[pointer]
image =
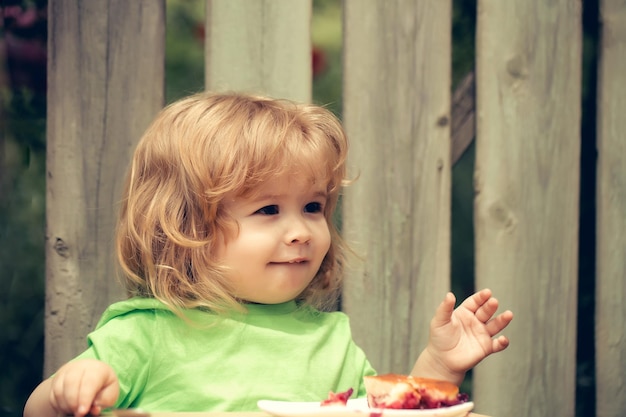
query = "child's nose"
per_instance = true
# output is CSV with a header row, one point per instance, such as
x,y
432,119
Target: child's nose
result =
x,y
298,232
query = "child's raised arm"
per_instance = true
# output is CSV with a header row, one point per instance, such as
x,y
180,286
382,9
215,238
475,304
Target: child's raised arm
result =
x,y
79,387
460,338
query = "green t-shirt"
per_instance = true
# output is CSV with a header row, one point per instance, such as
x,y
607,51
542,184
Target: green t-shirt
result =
x,y
279,352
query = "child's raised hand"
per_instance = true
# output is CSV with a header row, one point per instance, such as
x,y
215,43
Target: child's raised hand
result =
x,y
84,386
460,338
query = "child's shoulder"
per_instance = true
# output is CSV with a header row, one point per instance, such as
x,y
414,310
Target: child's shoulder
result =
x,y
142,311
134,308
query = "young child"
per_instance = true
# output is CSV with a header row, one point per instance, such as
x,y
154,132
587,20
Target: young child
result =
x,y
230,258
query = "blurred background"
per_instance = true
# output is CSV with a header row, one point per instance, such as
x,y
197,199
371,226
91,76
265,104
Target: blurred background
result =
x,y
23,33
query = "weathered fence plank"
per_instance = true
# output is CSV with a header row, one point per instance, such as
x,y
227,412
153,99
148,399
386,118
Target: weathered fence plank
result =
x,y
262,46
396,96
611,214
528,89
106,78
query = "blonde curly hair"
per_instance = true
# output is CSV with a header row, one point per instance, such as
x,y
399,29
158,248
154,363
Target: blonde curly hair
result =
x,y
198,150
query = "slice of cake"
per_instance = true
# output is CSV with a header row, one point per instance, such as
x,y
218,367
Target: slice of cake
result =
x,y
408,392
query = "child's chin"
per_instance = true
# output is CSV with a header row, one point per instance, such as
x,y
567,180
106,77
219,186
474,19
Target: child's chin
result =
x,y
268,302
277,296
270,299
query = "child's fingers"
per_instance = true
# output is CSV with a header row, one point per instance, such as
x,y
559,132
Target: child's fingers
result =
x,y
95,393
79,392
476,300
499,322
487,310
57,399
95,410
108,395
499,344
444,311
74,392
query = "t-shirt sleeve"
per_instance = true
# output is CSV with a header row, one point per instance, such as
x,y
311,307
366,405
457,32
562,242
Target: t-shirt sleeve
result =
x,y
126,343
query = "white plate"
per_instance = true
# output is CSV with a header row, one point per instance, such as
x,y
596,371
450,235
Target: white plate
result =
x,y
356,408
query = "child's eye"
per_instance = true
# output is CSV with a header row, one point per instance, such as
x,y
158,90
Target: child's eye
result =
x,y
313,207
268,210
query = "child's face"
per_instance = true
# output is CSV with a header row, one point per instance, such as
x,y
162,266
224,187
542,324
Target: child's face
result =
x,y
282,240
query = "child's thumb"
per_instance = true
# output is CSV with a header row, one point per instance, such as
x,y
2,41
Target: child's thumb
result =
x,y
444,311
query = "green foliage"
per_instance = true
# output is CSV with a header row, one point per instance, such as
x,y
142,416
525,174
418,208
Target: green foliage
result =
x,y
326,40
184,49
22,213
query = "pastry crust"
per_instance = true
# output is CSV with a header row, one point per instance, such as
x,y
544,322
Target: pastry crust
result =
x,y
408,392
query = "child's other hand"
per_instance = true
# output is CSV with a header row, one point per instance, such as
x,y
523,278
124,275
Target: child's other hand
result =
x,y
460,338
84,386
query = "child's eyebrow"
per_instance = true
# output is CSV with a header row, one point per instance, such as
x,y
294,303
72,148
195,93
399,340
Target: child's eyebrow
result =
x,y
320,194
266,197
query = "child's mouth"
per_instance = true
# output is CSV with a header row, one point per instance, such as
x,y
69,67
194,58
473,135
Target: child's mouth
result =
x,y
290,262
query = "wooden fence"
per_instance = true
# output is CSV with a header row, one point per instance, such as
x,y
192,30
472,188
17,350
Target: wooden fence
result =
x,y
106,78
